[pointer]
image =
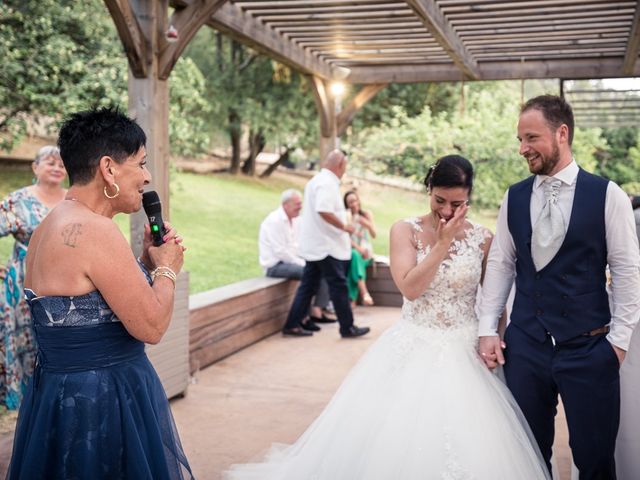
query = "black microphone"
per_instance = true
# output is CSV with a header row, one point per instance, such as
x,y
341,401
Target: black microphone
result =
x,y
153,209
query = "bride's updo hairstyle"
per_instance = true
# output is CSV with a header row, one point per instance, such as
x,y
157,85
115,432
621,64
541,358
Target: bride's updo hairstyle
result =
x,y
450,171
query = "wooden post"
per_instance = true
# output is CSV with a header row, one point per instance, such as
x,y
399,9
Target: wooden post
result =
x,y
142,26
149,105
326,106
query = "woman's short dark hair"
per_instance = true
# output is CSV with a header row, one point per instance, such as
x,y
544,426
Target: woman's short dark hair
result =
x,y
450,171
85,137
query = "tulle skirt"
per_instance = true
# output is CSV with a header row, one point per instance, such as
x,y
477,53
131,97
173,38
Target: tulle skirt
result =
x,y
95,409
419,405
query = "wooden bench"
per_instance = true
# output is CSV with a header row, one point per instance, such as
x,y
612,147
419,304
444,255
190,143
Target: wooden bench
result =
x,y
230,318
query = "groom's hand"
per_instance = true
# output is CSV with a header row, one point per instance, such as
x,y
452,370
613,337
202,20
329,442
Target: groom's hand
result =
x,y
620,353
490,349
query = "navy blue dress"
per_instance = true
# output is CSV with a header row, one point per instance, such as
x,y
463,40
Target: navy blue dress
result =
x,y
95,407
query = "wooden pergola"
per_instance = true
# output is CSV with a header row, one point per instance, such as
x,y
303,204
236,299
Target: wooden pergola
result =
x,y
373,43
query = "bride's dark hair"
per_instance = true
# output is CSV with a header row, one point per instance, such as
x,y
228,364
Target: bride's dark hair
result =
x,y
450,171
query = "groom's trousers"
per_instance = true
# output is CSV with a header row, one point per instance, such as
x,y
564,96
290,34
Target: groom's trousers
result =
x,y
585,372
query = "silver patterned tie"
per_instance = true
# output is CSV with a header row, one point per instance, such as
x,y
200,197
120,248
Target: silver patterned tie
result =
x,y
548,231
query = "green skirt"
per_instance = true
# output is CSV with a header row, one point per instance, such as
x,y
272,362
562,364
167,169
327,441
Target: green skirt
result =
x,y
357,271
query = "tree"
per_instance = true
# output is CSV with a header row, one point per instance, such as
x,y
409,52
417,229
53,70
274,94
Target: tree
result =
x,y
248,91
485,133
52,51
61,56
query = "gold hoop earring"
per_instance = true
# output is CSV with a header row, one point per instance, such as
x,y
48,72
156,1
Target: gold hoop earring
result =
x,y
110,197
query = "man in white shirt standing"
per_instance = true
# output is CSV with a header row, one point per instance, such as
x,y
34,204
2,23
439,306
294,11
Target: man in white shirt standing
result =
x,y
326,247
557,232
278,248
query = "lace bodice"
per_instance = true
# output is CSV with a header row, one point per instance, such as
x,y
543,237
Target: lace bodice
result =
x,y
449,302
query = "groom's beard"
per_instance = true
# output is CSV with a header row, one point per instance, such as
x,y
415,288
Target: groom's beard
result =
x,y
547,164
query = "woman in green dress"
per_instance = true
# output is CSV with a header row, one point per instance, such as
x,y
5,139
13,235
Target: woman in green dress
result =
x,y
361,248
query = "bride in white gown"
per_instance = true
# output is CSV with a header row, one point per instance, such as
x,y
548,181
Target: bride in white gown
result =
x,y
420,404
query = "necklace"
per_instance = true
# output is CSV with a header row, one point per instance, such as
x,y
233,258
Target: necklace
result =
x,y
73,199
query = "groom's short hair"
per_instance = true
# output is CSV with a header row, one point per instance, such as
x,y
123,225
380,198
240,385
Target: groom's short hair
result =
x,y
556,111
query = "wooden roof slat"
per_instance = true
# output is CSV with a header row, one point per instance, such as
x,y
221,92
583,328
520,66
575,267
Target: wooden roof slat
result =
x,y
310,8
577,34
430,14
334,17
481,5
360,45
446,40
524,25
600,90
348,27
541,27
602,14
541,5
304,3
566,10
234,22
395,20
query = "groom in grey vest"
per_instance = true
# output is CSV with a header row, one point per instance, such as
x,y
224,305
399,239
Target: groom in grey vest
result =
x,y
557,232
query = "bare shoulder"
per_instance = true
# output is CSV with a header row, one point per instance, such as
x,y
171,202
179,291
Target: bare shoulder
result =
x,y
76,231
405,228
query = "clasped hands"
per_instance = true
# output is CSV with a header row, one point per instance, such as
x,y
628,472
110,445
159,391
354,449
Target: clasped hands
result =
x,y
490,350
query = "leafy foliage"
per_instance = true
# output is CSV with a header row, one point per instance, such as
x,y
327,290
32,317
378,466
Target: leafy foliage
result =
x,y
61,56
58,56
484,132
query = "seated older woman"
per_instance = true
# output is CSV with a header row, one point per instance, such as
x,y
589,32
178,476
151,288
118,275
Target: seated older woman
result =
x,y
95,407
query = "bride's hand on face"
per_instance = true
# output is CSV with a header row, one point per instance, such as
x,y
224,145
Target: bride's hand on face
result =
x,y
446,231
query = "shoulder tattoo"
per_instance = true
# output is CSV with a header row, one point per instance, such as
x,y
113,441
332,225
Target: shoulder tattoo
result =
x,y
70,234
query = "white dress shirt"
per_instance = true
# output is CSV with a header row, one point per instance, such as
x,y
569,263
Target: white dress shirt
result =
x,y
278,240
318,238
623,257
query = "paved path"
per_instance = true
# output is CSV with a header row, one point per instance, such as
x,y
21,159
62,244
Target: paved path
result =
x,y
271,392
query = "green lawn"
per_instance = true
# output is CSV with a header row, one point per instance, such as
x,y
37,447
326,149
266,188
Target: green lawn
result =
x,y
219,217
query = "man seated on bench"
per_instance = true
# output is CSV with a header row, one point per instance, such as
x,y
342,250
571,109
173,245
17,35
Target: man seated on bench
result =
x,y
278,247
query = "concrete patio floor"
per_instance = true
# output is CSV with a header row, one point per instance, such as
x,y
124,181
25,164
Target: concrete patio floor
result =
x,y
271,392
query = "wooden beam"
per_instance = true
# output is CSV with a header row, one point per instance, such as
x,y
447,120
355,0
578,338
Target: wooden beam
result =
x,y
431,16
304,3
587,68
136,46
633,45
322,98
362,97
187,20
239,25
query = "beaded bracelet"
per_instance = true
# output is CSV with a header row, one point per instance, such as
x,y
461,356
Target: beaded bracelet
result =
x,y
164,272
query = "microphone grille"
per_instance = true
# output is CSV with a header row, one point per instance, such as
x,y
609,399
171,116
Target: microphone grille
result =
x,y
151,202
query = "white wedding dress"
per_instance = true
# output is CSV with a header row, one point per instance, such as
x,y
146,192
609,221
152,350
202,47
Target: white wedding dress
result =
x,y
420,404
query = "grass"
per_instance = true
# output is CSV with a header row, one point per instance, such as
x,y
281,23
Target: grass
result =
x,y
219,217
